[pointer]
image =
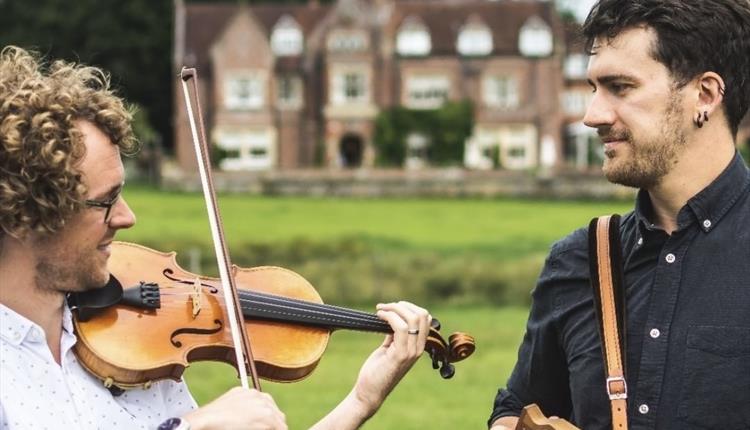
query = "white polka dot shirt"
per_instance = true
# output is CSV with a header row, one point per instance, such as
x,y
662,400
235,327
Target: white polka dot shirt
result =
x,y
37,393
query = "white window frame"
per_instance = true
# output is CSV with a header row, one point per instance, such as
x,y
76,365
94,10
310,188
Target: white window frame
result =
x,y
535,38
343,76
254,82
575,101
501,91
519,137
426,91
413,39
347,41
474,40
575,66
287,38
255,147
293,100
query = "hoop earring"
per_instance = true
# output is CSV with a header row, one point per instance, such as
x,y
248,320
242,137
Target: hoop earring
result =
x,y
699,120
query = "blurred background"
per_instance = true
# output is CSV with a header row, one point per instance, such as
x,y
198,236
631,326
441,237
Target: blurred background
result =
x,y
424,150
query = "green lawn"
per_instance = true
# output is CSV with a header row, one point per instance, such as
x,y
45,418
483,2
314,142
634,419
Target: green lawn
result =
x,y
496,227
443,234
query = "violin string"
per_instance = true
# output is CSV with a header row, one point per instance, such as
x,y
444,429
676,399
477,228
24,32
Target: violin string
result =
x,y
348,318
311,308
316,311
311,305
327,318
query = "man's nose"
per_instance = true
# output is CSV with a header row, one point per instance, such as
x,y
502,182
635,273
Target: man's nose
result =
x,y
122,216
599,112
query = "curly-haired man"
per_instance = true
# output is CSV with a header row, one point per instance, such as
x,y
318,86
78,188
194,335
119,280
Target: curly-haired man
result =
x,y
61,134
671,82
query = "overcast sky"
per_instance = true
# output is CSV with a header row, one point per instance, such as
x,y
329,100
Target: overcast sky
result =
x,y
581,7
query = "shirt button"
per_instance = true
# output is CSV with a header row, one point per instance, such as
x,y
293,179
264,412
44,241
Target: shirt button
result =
x,y
707,223
670,258
36,335
643,409
654,333
640,241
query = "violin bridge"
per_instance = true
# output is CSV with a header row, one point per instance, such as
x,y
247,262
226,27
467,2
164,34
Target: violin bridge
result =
x,y
196,296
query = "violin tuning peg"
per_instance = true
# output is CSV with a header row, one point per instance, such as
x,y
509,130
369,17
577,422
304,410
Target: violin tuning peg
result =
x,y
435,324
447,371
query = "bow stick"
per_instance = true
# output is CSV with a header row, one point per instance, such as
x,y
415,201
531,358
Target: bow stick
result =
x,y
243,352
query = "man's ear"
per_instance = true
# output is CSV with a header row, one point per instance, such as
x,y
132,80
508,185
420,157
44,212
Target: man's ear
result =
x,y
711,89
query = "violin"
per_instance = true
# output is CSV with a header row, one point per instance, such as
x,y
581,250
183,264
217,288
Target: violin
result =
x,y
153,318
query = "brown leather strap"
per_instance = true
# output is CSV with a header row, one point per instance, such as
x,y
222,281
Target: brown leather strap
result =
x,y
609,326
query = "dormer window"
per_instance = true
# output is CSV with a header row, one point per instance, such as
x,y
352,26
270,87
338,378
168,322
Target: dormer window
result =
x,y
535,38
286,37
474,39
413,39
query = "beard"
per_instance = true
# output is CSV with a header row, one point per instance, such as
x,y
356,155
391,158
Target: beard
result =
x,y
65,270
649,159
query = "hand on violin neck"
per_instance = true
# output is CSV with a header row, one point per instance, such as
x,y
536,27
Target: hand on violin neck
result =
x,y
389,363
238,408
384,368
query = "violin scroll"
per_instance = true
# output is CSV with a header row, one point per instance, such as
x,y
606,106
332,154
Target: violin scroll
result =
x,y
444,354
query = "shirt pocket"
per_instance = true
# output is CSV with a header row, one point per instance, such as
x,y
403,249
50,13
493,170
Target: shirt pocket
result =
x,y
716,378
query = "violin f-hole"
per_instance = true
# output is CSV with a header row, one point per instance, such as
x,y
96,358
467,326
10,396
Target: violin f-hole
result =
x,y
192,330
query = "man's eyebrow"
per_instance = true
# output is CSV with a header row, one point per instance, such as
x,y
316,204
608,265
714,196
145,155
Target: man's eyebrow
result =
x,y
114,190
607,79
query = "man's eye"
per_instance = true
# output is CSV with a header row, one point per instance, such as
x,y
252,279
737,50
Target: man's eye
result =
x,y
618,88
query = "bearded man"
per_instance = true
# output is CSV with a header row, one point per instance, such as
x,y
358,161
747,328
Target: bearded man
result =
x,y
671,82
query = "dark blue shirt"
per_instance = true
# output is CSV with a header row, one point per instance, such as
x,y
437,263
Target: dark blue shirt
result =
x,y
688,321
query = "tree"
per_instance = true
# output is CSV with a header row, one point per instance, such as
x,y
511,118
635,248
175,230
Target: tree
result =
x,y
130,39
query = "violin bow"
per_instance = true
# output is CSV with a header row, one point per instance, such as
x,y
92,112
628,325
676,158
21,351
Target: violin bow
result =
x,y
242,349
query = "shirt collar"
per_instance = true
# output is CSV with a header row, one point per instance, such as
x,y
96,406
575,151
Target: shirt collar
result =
x,y
15,328
709,205
713,202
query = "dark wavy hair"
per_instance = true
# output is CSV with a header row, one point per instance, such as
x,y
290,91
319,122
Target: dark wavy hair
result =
x,y
40,147
693,37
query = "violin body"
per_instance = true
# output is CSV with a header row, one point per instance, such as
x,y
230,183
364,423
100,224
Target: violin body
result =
x,y
130,346
134,346
532,418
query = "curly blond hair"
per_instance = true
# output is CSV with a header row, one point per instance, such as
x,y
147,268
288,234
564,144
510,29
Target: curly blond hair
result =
x,y
40,147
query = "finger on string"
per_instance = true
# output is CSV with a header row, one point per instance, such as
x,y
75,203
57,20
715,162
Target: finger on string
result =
x,y
398,325
424,324
412,322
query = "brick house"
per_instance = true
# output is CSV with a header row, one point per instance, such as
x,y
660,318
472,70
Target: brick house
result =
x,y
295,86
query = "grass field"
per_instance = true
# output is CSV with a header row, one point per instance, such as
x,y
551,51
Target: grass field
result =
x,y
500,228
458,230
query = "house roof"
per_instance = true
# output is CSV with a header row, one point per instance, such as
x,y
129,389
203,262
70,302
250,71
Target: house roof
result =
x,y
204,23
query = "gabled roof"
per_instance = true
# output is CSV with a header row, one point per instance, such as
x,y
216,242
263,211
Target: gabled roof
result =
x,y
204,24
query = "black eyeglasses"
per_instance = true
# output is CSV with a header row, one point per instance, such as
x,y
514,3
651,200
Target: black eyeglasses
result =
x,y
105,204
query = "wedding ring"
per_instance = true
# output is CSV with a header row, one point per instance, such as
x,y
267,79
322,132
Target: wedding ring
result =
x,y
413,331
